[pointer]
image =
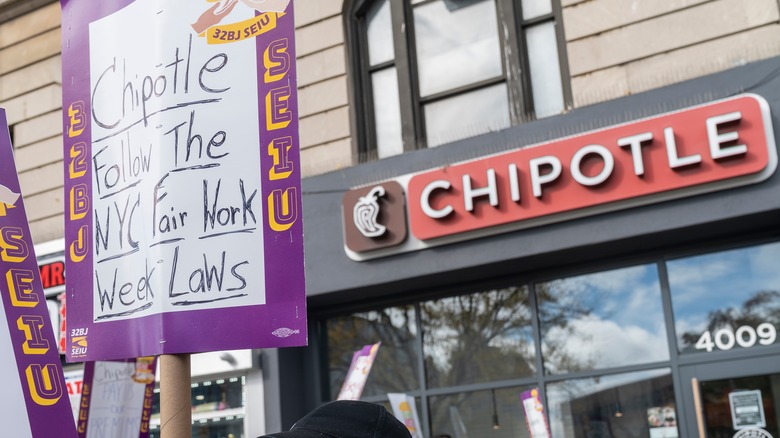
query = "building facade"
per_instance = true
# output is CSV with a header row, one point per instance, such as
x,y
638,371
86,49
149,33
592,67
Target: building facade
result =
x,y
644,313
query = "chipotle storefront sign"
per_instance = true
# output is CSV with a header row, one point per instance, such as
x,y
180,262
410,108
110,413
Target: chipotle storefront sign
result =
x,y
720,145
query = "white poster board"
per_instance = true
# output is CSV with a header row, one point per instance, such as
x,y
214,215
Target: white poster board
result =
x,y
13,414
747,409
116,399
73,382
405,410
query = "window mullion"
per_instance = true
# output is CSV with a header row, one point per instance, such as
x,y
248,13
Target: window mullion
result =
x,y
563,58
404,68
513,54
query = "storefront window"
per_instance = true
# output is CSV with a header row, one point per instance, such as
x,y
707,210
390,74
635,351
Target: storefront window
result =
x,y
602,320
491,413
606,365
395,367
218,409
732,404
478,337
726,300
623,405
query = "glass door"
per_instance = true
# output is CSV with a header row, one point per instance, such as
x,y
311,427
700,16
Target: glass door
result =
x,y
732,398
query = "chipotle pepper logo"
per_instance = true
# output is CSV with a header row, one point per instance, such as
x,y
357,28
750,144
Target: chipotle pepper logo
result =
x,y
374,217
366,213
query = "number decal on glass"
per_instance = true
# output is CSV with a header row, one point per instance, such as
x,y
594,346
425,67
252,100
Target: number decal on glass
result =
x,y
767,333
745,336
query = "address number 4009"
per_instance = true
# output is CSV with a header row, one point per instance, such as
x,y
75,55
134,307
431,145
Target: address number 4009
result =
x,y
745,336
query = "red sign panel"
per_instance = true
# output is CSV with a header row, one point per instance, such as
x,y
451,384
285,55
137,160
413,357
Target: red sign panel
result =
x,y
705,148
52,274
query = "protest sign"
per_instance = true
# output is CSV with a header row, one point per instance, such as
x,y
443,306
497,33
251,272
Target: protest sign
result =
x,y
35,402
116,399
405,410
74,381
357,375
534,414
183,221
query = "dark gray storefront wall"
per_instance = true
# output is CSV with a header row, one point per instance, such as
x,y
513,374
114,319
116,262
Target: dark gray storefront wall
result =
x,y
688,220
293,386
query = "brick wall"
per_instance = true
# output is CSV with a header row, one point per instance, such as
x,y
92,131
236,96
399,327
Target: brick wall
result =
x,y
31,93
322,86
615,48
621,47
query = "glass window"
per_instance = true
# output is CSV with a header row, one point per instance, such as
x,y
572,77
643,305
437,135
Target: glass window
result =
x,y
637,404
545,69
478,337
447,121
395,366
536,8
732,404
380,33
493,413
218,408
601,320
456,36
726,300
387,112
431,72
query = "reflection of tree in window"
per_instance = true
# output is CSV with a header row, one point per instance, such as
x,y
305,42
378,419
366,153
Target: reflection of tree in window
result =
x,y
478,337
395,367
558,306
762,307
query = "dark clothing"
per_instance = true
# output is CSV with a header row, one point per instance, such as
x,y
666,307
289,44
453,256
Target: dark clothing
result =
x,y
346,419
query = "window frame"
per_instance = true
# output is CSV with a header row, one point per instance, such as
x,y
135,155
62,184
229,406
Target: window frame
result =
x,y
678,361
413,133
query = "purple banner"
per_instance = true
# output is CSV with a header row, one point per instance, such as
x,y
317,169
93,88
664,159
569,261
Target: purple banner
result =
x,y
356,378
183,226
534,414
38,400
117,398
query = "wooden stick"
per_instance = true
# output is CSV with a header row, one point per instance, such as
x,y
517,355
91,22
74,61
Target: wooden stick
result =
x,y
175,396
698,408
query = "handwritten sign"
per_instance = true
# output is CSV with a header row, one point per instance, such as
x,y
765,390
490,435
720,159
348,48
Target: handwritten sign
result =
x,y
117,398
183,228
74,380
35,402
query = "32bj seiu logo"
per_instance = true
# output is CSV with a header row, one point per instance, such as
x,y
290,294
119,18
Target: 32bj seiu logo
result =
x,y
209,23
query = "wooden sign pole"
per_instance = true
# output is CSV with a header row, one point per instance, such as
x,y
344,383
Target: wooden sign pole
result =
x,y
175,396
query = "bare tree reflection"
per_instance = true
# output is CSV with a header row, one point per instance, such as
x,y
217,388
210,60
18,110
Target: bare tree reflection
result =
x,y
478,337
762,307
395,368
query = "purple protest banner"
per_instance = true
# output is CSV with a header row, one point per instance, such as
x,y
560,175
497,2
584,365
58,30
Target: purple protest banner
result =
x,y
35,403
356,378
183,226
117,398
534,414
